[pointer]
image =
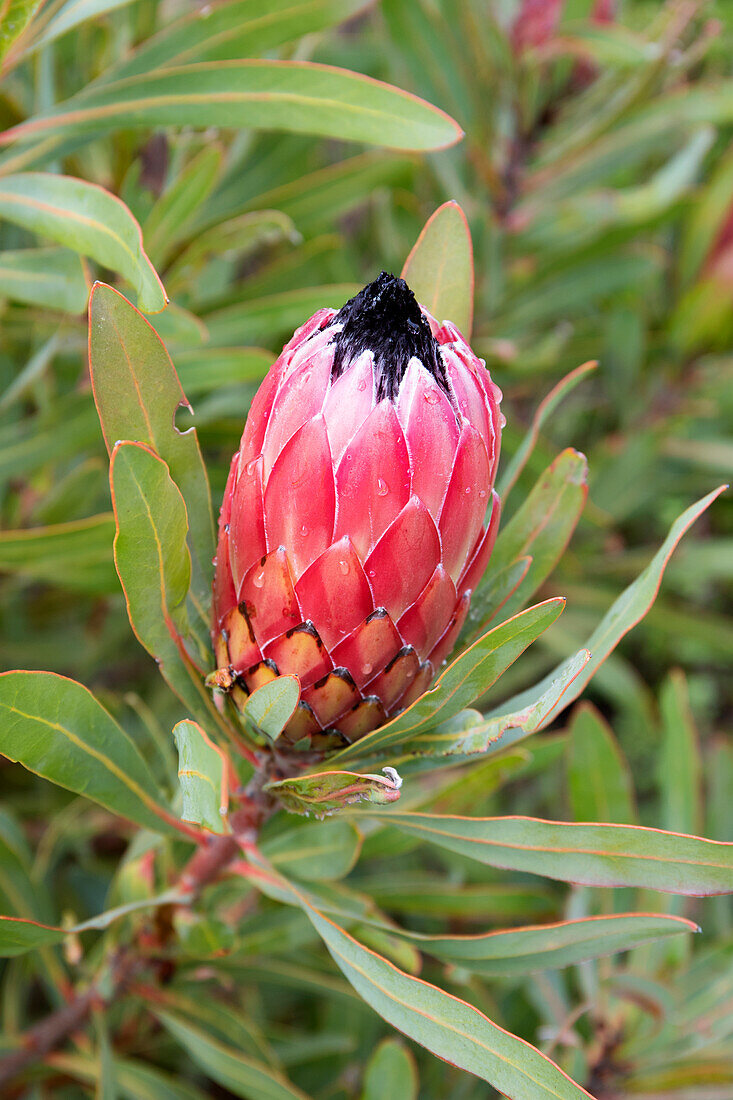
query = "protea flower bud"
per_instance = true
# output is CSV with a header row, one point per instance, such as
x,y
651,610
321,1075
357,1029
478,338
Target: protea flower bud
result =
x,y
352,529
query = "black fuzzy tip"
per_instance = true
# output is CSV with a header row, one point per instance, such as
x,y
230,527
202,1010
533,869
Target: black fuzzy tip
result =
x,y
384,318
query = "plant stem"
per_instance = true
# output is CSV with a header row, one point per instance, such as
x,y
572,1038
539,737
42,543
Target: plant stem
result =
x,y
207,862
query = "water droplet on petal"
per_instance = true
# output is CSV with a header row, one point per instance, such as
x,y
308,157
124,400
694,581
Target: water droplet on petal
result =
x,y
468,488
482,493
367,668
432,397
303,530
361,385
382,487
251,467
226,528
344,567
259,580
372,573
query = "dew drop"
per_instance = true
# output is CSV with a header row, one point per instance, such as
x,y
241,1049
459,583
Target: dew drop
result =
x,y
344,567
361,385
482,493
259,580
372,573
226,528
432,397
303,530
367,668
468,488
382,487
251,467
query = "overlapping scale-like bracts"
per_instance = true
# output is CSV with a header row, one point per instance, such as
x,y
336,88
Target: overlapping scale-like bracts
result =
x,y
354,528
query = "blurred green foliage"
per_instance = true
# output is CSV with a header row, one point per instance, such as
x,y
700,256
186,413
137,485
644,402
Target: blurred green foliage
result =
x,y
596,173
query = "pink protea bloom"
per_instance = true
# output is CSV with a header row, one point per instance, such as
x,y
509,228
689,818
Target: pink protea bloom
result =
x,y
359,513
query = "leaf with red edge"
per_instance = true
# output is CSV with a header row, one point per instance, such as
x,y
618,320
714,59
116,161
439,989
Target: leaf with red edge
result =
x,y
154,566
542,527
137,393
626,611
55,728
326,792
443,1024
294,96
545,409
439,268
593,855
88,219
18,935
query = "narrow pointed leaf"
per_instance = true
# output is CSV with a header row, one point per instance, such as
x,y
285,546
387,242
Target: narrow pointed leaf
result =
x,y
14,18
72,555
203,775
439,268
241,28
544,411
626,611
57,729
599,780
87,219
549,946
48,277
137,393
295,96
18,935
543,525
445,1025
593,855
478,736
241,1075
468,677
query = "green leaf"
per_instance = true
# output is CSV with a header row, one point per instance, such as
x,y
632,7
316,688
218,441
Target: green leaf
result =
x,y
326,792
549,946
680,766
269,708
48,277
72,555
439,268
450,1028
136,1080
238,237
137,393
229,31
18,935
68,15
478,736
315,851
295,96
274,316
543,525
626,611
490,596
205,369
14,18
545,409
154,565
241,1075
170,217
593,855
203,773
468,677
391,1071
57,729
87,219
601,787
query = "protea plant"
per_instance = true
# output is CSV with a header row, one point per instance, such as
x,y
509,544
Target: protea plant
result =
x,y
359,513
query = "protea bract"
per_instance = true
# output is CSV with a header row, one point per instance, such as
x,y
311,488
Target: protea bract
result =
x,y
359,513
